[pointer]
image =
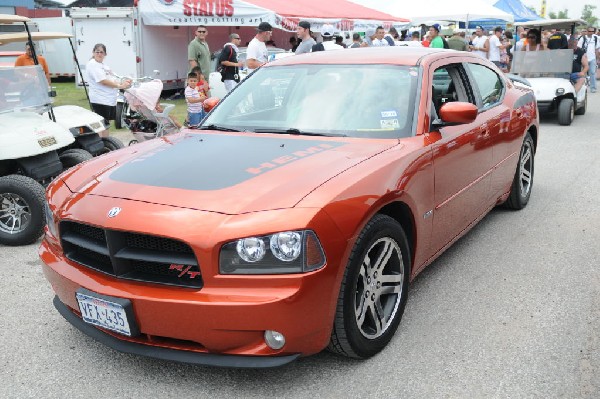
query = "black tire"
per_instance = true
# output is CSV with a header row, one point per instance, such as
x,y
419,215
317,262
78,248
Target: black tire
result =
x,y
362,336
111,144
523,180
581,110
566,111
120,116
74,156
21,203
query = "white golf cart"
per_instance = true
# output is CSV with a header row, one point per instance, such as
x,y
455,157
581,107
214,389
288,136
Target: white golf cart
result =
x,y
548,74
84,124
29,153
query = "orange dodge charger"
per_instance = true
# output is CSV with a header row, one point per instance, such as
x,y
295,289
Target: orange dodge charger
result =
x,y
294,218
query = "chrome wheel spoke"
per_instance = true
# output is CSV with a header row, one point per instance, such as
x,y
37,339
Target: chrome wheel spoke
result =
x,y
378,317
384,256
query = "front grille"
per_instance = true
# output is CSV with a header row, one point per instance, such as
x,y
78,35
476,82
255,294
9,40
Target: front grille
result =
x,y
131,256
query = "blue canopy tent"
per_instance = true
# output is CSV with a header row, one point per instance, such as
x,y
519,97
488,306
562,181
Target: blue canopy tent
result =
x,y
513,7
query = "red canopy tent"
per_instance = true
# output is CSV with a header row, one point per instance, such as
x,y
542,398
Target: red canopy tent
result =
x,y
282,14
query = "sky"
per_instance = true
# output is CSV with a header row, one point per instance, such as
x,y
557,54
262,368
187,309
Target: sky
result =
x,y
574,6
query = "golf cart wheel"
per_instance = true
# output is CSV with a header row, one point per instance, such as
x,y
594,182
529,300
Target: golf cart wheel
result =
x,y
74,156
566,111
22,217
111,144
122,111
581,110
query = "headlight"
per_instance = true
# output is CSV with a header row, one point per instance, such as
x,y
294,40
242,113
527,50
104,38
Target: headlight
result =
x,y
80,130
50,220
278,253
560,91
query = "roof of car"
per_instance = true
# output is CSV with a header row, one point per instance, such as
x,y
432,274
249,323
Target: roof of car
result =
x,y
399,55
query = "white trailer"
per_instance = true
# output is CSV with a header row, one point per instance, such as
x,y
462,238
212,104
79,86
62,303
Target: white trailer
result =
x,y
58,53
133,48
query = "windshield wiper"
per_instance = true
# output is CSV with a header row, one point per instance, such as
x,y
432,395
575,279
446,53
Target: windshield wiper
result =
x,y
212,126
297,131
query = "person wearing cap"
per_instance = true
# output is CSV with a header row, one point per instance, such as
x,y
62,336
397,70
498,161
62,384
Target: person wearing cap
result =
x,y
369,36
257,54
308,42
480,44
379,40
436,40
456,42
328,44
230,74
199,52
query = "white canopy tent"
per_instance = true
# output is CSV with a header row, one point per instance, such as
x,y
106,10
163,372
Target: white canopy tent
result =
x,y
429,11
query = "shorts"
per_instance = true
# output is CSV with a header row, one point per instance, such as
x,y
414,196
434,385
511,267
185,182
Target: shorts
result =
x,y
575,77
108,112
500,64
194,118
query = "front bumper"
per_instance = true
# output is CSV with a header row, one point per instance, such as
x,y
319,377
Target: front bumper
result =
x,y
206,359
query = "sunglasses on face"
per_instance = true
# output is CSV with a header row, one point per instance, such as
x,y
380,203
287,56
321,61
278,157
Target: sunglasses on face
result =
x,y
201,31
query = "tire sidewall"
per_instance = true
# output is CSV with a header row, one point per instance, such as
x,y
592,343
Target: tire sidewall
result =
x,y
381,226
33,194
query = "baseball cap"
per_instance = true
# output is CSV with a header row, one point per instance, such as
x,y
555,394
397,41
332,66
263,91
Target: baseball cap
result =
x,y
264,27
436,27
479,27
370,32
327,30
304,24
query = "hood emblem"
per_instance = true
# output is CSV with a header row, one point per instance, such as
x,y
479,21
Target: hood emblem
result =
x,y
114,212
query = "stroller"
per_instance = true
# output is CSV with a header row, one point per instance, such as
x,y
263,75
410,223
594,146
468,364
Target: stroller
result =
x,y
148,118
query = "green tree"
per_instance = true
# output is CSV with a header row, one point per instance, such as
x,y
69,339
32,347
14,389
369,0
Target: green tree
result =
x,y
564,14
588,15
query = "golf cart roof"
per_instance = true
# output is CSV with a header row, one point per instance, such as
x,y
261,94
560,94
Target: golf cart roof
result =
x,y
8,19
552,23
35,36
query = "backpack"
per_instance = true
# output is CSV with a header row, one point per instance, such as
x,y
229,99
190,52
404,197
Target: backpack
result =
x,y
318,47
445,42
390,40
584,45
220,67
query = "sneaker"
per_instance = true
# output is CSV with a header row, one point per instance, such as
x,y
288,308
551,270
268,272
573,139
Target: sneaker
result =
x,y
593,90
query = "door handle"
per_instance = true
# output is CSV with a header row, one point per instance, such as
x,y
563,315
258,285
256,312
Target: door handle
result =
x,y
484,130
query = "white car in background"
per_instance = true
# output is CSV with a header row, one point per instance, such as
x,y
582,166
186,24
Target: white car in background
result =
x,y
217,87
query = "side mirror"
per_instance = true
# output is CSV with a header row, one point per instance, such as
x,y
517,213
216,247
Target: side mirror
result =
x,y
456,113
210,103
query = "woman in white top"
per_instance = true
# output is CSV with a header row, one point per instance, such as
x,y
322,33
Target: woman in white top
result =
x,y
103,86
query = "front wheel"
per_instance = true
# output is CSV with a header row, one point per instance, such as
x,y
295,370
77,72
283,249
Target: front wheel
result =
x,y
374,290
22,217
566,111
111,144
523,180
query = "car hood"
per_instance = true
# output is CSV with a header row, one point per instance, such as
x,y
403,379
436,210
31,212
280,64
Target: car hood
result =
x,y
225,173
545,89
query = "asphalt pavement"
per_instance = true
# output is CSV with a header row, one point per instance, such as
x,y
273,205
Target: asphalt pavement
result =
x,y
512,310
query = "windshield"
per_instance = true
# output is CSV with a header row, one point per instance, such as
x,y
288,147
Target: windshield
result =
x,y
526,63
336,100
23,87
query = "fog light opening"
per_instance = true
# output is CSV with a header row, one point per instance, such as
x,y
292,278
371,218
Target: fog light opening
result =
x,y
275,340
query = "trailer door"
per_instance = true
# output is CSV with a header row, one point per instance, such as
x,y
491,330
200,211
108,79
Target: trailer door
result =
x,y
116,34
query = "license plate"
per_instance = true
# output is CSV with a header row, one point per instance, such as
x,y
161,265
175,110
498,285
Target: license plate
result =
x,y
47,141
103,313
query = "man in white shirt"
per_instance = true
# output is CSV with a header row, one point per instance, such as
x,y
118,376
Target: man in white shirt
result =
x,y
327,32
495,47
379,40
257,54
590,43
480,45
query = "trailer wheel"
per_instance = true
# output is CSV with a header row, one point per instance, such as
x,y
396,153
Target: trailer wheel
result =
x,y
22,216
74,156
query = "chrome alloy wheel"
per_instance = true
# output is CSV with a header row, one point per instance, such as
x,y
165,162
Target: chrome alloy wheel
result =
x,y
379,288
526,168
15,214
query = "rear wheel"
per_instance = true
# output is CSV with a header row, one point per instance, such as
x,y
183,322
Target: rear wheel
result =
x,y
523,180
122,113
22,217
374,290
566,111
581,110
74,156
